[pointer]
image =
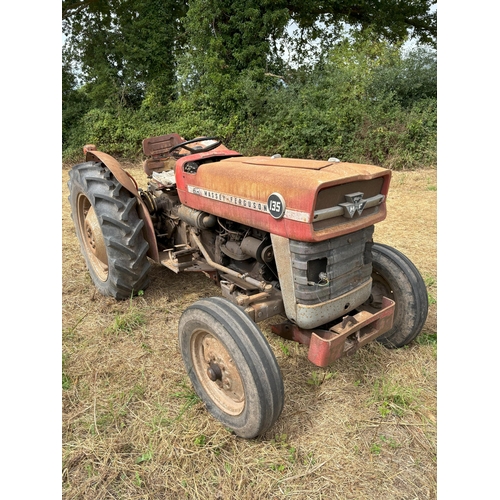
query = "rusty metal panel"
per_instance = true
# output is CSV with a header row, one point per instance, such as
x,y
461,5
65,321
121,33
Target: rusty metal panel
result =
x,y
154,146
240,191
357,331
261,311
291,331
287,162
343,339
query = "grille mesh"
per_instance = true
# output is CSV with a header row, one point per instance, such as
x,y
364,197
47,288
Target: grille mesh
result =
x,y
335,195
348,265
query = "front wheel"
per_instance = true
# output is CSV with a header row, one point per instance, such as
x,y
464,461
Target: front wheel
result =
x,y
396,277
231,366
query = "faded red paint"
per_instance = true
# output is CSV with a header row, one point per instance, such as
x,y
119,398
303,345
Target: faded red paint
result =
x,y
255,178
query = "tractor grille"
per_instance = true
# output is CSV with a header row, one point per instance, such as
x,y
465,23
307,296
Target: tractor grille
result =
x,y
329,210
325,270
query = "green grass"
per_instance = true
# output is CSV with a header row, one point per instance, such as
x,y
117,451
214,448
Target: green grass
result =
x,y
189,396
137,480
284,348
393,398
429,280
430,283
145,457
200,440
383,443
66,380
127,322
68,333
427,339
390,442
319,377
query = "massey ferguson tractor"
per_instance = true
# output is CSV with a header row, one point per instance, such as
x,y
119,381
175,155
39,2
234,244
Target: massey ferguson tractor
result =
x,y
280,236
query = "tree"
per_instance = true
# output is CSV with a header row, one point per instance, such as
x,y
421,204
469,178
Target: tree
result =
x,y
230,42
125,48
391,19
244,34
218,67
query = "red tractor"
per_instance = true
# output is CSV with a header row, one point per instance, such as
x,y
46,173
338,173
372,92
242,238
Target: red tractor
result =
x,y
280,236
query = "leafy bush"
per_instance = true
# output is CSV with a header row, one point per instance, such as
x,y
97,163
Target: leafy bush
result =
x,y
363,103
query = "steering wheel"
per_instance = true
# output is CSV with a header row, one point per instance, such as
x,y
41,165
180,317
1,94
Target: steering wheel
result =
x,y
184,145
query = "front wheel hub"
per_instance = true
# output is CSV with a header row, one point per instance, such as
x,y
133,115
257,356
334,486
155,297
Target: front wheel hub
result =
x,y
217,372
214,372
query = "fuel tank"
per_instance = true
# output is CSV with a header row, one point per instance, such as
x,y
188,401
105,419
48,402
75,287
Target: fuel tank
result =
x,y
304,200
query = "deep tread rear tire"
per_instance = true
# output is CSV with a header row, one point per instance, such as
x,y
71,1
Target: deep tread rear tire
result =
x,y
109,231
218,329
395,276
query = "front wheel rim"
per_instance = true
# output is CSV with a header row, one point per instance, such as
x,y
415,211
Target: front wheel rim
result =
x,y
217,372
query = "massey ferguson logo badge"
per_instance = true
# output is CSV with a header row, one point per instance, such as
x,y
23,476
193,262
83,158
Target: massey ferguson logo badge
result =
x,y
275,206
355,203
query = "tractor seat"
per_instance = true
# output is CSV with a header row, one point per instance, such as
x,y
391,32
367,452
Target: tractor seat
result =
x,y
156,148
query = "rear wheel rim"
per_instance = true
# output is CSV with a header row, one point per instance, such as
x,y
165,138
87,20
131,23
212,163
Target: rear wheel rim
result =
x,y
92,237
217,372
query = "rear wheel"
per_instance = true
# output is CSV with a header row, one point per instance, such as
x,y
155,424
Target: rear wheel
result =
x,y
397,278
109,231
231,366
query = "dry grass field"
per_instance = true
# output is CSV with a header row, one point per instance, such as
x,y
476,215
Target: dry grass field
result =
x,y
132,427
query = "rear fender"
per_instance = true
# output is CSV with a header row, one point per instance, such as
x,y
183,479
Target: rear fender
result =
x,y
128,182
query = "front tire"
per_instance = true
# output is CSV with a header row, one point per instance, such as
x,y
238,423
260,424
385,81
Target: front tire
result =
x,y
109,231
397,278
231,366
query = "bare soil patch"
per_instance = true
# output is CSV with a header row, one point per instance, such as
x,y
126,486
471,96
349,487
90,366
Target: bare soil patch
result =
x,y
365,428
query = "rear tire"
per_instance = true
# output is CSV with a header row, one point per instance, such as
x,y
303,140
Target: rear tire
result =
x,y
231,366
396,277
109,231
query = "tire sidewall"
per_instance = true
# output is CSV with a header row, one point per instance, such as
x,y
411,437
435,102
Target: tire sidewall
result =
x,y
244,424
77,189
408,292
400,323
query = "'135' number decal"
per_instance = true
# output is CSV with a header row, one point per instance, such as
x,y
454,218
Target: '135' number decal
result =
x,y
276,205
